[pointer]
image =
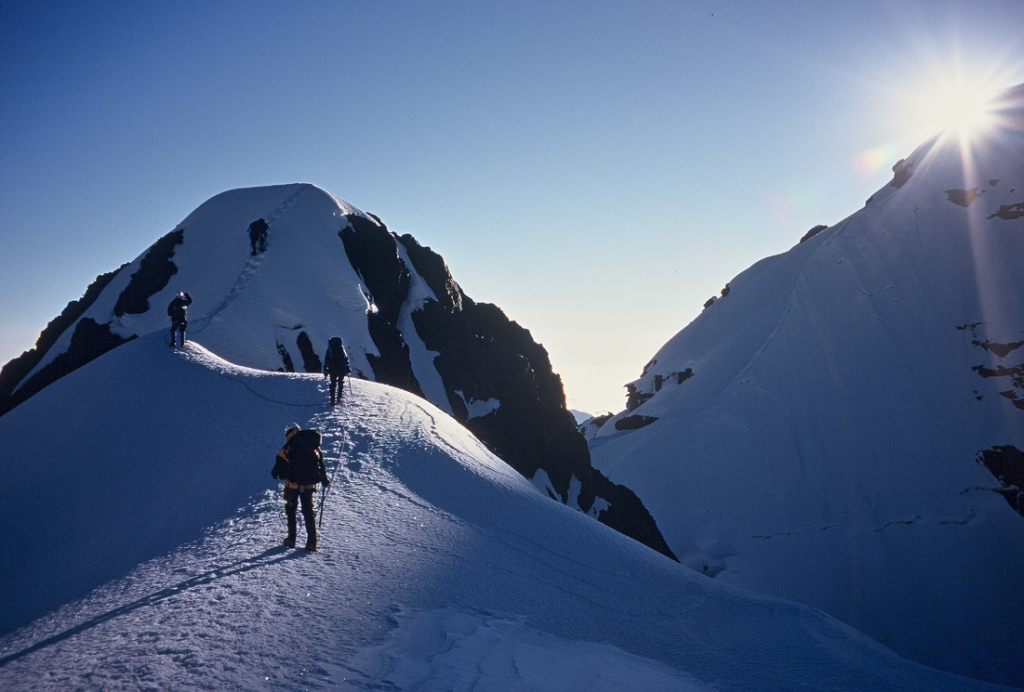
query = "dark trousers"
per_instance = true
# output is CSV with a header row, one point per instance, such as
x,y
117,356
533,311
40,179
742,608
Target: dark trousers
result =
x,y
292,497
178,326
335,381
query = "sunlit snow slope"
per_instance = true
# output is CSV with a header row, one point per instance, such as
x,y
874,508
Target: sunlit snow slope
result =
x,y
138,505
819,432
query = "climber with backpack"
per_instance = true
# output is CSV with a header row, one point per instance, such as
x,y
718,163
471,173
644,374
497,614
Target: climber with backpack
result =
x,y
177,310
300,464
336,366
258,235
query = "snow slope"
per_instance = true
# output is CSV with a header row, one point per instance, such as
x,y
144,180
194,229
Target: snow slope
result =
x,y
815,433
138,503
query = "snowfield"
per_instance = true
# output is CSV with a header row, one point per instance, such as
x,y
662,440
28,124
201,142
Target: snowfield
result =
x,y
141,541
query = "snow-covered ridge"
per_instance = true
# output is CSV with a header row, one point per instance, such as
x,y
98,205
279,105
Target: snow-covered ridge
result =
x,y
159,565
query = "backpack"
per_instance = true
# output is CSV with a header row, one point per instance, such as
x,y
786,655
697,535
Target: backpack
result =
x,y
304,460
335,359
177,309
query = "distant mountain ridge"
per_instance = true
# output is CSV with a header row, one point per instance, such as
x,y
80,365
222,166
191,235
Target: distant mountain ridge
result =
x,y
331,269
843,426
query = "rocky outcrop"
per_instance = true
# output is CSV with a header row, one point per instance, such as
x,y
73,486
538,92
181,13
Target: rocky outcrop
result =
x,y
1006,463
18,369
484,356
155,271
373,253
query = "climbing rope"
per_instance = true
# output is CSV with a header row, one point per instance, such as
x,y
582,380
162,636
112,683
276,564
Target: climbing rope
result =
x,y
209,316
267,398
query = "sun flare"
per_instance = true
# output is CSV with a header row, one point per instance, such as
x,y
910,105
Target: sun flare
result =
x,y
956,107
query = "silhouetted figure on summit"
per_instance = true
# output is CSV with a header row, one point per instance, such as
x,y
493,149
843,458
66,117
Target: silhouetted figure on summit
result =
x,y
177,310
258,235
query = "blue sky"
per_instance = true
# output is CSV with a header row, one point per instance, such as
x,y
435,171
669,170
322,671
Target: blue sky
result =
x,y
597,169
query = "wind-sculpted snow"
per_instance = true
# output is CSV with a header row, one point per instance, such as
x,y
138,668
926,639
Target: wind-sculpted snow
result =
x,y
827,445
157,565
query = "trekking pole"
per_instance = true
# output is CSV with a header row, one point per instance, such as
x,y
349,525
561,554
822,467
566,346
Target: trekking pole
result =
x,y
323,495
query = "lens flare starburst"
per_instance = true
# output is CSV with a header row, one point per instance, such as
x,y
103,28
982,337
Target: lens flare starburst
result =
x,y
956,107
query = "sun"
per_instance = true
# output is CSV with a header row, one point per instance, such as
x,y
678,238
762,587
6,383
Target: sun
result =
x,y
956,107
965,109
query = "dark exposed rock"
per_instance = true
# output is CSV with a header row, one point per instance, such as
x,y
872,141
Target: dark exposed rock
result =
x,y
634,422
373,253
710,301
1012,396
1009,212
431,266
963,197
481,360
635,398
1001,350
901,173
625,513
679,377
89,341
393,366
310,360
483,355
155,271
1007,465
18,368
814,231
1014,372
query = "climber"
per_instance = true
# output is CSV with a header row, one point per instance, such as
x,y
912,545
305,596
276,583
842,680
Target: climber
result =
x,y
177,310
300,464
336,366
258,235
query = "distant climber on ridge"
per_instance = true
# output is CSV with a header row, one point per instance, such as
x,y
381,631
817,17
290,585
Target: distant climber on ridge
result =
x,y
336,366
258,235
177,310
300,464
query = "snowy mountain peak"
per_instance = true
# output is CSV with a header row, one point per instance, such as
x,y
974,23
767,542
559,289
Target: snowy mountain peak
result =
x,y
844,427
328,269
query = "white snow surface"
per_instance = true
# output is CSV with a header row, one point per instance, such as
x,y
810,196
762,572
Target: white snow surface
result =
x,y
141,552
824,448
